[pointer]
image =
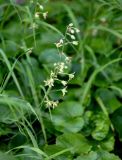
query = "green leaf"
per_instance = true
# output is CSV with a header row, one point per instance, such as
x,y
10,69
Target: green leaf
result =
x,y
58,152
17,140
108,143
90,156
109,99
11,29
101,45
4,130
115,72
100,155
67,117
116,119
1,74
5,156
49,56
101,80
76,142
34,67
104,155
101,124
11,49
52,149
12,109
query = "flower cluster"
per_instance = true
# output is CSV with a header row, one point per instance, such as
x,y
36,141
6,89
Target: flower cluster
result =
x,y
41,11
70,32
61,66
50,103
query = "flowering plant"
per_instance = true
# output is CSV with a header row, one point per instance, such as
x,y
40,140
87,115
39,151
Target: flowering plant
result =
x,y
60,87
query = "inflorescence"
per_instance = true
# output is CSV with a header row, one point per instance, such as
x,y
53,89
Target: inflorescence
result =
x,y
61,66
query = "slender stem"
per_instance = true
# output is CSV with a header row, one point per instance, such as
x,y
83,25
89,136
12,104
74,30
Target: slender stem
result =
x,y
101,104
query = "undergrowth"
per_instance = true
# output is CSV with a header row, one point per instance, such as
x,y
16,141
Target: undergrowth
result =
x,y
60,80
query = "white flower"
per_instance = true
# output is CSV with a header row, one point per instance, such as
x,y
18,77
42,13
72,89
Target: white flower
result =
x,y
75,43
37,15
94,32
29,50
77,30
72,36
55,64
45,15
61,41
34,25
68,59
72,31
49,82
103,19
64,91
64,83
61,67
63,53
41,7
71,76
52,74
48,103
58,45
71,24
52,104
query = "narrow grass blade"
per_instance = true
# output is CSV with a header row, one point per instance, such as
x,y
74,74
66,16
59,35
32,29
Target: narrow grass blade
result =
x,y
91,79
10,70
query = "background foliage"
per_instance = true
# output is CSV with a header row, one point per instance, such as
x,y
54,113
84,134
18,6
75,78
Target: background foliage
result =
x,y
87,123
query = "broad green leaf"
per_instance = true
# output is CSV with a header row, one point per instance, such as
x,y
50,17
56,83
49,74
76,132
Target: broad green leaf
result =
x,y
90,156
48,37
76,142
52,149
67,117
104,155
57,152
49,56
100,155
108,143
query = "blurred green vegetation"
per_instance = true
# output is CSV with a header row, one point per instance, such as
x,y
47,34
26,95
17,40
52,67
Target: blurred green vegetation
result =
x,y
87,123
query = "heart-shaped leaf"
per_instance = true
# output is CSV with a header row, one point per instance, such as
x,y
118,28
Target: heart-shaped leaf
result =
x,y
76,142
67,117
